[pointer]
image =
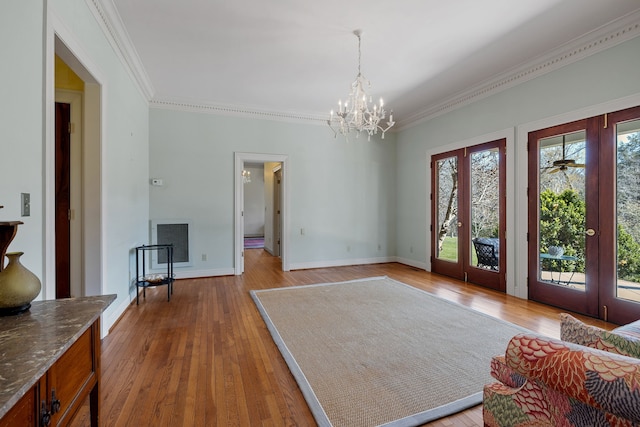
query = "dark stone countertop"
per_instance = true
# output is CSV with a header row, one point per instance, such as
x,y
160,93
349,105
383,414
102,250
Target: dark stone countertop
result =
x,y
31,342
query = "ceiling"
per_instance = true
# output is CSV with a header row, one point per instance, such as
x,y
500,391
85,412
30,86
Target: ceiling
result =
x,y
298,57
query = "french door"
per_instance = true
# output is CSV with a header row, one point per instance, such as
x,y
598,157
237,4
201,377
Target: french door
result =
x,y
584,216
468,214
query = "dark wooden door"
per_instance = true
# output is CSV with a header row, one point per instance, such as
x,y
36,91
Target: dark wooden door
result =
x,y
468,205
63,200
584,199
447,234
619,255
563,216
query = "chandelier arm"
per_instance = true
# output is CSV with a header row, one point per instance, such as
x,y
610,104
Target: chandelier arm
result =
x,y
335,134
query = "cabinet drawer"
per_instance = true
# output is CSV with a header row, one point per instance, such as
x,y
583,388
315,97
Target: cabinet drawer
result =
x,y
23,414
73,375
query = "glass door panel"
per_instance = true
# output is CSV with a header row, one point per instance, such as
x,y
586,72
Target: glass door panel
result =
x,y
485,209
447,209
562,210
485,215
564,216
628,211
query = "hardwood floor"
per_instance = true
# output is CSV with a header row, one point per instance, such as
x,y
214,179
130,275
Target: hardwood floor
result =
x,y
206,358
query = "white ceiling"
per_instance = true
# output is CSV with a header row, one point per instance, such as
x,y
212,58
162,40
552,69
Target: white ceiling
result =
x,y
299,56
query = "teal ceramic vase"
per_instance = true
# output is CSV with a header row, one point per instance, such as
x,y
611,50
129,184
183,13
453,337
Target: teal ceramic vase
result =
x,y
18,286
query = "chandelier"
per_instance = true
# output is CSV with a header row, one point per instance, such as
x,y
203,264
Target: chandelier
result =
x,y
356,114
246,176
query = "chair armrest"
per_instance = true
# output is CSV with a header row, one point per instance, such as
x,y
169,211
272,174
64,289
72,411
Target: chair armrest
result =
x,y
607,381
503,373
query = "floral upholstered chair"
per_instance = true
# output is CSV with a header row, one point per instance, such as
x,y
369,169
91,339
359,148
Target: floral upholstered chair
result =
x,y
589,378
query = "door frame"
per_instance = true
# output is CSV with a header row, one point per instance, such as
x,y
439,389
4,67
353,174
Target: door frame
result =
x,y
60,42
277,211
239,161
520,182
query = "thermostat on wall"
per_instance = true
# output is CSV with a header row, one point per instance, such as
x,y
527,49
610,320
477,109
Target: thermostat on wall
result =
x,y
157,182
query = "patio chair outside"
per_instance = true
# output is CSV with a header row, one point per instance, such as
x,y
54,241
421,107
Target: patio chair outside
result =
x,y
486,252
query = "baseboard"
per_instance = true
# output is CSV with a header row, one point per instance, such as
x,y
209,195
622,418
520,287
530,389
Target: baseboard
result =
x,y
195,274
412,263
341,263
111,318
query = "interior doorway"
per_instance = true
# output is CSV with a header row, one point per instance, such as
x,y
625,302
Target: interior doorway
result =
x,y
262,207
74,251
275,211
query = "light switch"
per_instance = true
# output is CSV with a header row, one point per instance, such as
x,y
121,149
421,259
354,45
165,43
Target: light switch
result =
x,y
157,182
25,204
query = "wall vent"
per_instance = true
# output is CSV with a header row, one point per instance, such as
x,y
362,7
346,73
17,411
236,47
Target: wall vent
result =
x,y
177,232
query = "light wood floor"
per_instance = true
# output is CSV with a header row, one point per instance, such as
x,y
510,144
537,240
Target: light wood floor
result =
x,y
207,359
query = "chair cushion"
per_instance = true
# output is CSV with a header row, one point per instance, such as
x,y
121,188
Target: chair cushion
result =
x,y
620,342
631,330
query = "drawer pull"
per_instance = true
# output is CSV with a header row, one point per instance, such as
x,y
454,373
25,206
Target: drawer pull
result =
x,y
45,415
55,403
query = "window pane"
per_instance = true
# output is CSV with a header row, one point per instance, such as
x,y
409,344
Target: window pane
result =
x,y
447,197
485,212
562,210
628,210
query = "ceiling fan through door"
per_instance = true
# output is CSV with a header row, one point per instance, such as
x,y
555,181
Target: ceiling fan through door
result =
x,y
564,163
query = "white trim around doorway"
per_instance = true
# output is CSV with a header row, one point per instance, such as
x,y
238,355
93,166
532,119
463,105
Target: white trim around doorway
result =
x,y
240,159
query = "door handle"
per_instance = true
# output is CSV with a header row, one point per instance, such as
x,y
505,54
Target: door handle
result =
x,y
459,224
590,232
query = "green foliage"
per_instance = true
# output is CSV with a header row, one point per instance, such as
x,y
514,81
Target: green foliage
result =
x,y
628,256
562,219
449,249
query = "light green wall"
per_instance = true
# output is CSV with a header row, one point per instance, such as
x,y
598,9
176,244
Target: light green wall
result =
x,y
21,121
26,28
599,79
342,193
124,150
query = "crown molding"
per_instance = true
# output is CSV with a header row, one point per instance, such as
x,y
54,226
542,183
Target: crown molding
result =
x,y
237,111
113,28
605,37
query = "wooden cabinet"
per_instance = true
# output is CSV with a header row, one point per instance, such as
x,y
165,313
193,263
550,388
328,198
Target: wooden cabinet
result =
x,y
24,413
52,352
73,378
64,388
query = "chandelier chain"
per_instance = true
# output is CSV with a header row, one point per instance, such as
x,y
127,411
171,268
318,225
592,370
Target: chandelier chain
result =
x,y
359,51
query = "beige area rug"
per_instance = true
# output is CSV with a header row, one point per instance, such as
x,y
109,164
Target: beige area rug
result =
x,y
376,351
